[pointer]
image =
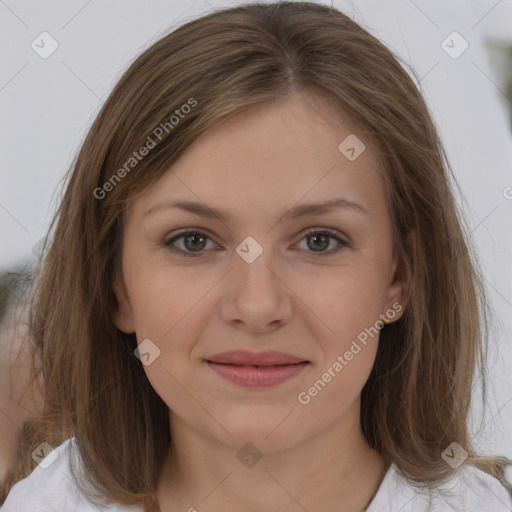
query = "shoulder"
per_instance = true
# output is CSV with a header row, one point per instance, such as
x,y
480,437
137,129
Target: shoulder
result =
x,y
51,486
469,490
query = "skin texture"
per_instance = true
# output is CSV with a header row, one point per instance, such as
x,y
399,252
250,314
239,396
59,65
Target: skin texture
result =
x,y
293,298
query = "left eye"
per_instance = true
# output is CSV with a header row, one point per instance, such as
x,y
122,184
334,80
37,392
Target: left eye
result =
x,y
195,241
321,240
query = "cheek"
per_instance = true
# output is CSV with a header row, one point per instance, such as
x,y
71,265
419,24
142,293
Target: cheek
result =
x,y
348,344
345,312
173,383
344,304
164,298
171,307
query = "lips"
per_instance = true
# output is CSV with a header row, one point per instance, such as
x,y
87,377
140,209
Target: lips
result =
x,y
256,370
246,358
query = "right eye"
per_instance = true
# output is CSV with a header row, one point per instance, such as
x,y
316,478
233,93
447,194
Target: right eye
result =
x,y
194,242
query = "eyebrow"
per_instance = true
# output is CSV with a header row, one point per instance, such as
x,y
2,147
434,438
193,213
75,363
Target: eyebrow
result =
x,y
303,210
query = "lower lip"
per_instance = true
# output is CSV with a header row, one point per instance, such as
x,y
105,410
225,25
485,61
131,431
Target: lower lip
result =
x,y
250,377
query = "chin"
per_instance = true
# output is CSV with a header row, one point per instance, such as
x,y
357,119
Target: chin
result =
x,y
268,436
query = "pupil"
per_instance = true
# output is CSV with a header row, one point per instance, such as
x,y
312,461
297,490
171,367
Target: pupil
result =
x,y
316,237
194,247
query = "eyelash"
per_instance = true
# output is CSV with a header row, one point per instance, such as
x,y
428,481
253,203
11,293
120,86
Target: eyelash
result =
x,y
168,243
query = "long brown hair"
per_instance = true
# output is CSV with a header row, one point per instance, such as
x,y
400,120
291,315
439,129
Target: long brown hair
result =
x,y
416,400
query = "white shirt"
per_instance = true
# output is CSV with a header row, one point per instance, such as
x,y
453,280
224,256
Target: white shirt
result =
x,y
51,489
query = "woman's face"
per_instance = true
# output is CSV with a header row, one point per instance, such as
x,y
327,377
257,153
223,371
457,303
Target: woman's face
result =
x,y
270,272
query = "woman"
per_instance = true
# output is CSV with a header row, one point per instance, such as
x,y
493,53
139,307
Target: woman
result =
x,y
258,293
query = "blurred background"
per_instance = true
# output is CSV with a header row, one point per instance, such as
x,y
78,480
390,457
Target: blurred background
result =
x,y
60,59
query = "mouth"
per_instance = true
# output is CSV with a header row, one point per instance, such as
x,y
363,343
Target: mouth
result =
x,y
247,358
256,370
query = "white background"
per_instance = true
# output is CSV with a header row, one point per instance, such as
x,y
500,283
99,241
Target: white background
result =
x,y
48,104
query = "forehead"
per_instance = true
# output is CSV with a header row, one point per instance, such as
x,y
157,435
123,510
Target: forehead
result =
x,y
273,154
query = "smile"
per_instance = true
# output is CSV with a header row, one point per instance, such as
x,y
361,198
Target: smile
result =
x,y
257,376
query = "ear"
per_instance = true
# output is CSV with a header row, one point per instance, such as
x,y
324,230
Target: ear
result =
x,y
122,314
399,287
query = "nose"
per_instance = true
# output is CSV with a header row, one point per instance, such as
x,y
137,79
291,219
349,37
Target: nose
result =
x,y
257,295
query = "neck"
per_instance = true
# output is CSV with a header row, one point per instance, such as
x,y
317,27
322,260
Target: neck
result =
x,y
334,470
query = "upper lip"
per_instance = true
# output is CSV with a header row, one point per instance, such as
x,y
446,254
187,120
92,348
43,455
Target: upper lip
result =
x,y
245,357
